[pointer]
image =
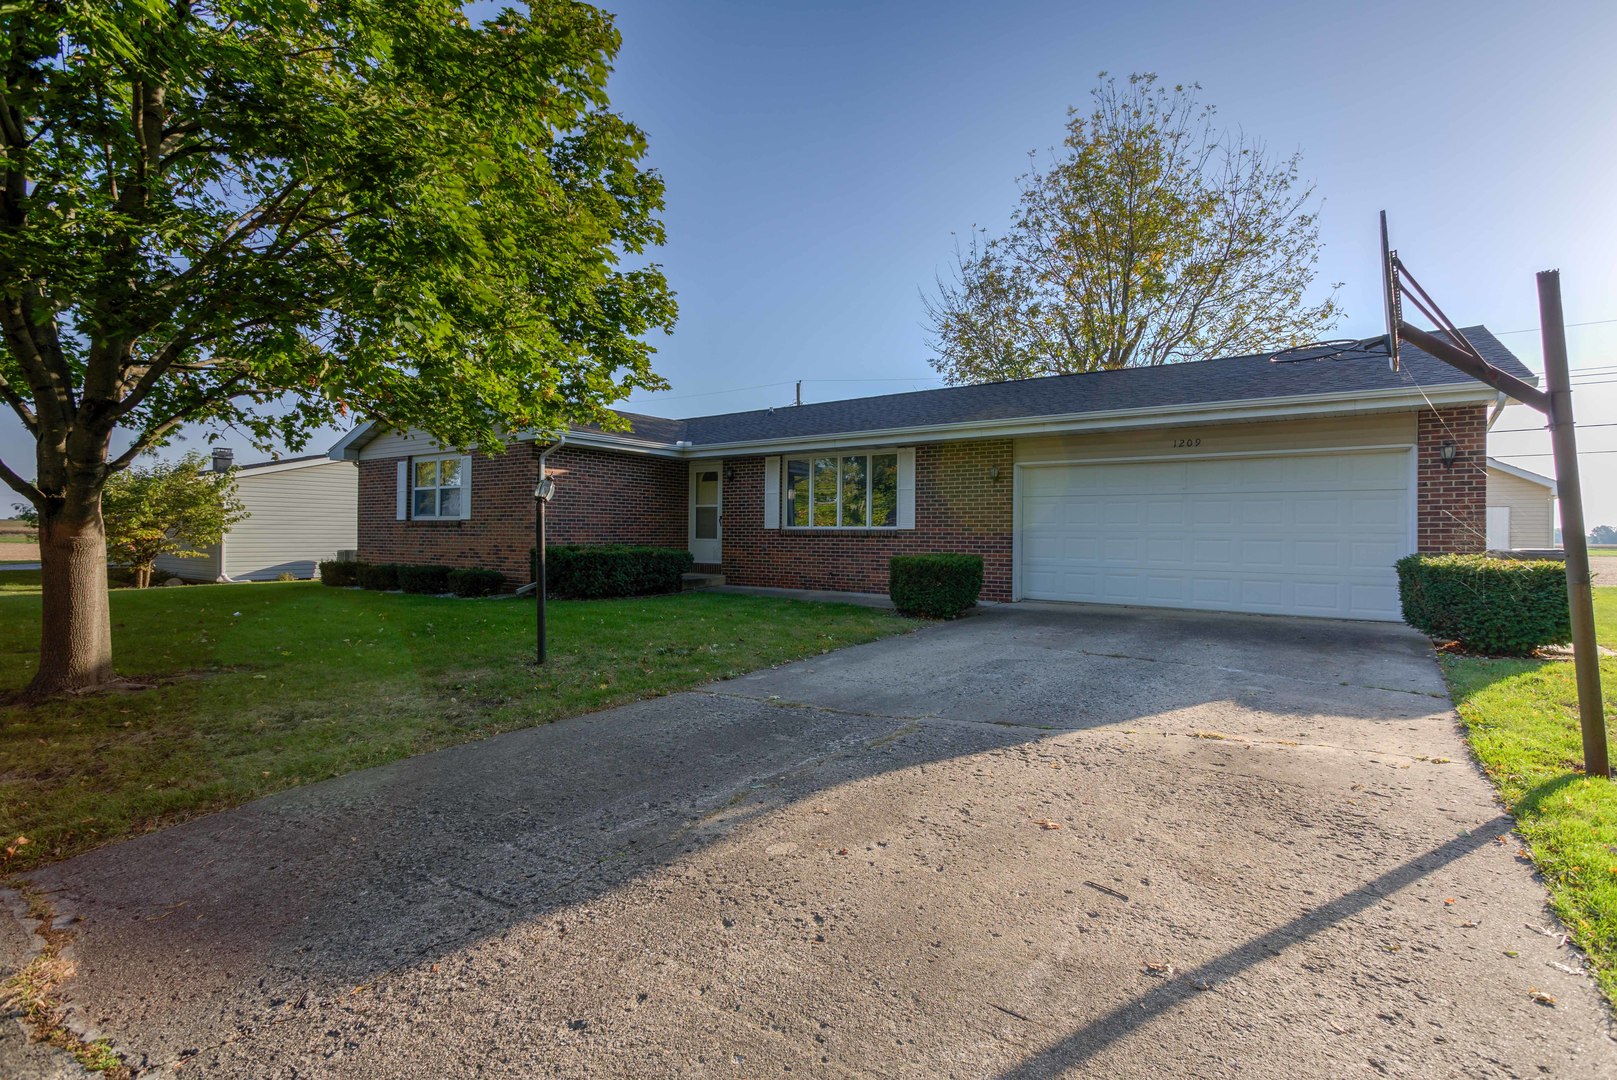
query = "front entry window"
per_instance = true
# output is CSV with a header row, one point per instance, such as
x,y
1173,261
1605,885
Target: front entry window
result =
x,y
854,491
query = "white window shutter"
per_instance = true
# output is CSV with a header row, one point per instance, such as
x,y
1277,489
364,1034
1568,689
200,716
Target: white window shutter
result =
x,y
906,488
771,492
466,487
401,504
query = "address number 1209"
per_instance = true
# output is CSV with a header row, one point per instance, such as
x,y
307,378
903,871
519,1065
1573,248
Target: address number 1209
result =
x,y
1179,444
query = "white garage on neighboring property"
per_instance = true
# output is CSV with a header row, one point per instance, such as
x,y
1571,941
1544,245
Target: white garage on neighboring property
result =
x,y
300,511
1521,508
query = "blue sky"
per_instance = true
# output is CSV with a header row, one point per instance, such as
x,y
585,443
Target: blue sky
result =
x,y
819,158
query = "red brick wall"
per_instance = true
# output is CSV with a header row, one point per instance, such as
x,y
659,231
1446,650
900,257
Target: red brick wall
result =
x,y
1451,501
600,498
958,507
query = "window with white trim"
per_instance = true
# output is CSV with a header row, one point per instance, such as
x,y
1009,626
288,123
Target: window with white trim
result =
x,y
841,491
437,487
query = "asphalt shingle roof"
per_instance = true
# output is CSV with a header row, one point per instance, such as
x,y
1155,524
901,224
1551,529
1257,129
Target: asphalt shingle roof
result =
x,y
1234,378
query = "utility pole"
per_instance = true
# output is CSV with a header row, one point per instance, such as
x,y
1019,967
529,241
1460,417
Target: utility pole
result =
x,y
1564,442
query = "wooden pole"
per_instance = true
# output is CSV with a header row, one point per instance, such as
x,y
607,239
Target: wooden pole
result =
x,y
1564,441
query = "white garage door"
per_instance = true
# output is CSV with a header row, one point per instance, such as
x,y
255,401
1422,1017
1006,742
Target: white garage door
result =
x,y
1303,534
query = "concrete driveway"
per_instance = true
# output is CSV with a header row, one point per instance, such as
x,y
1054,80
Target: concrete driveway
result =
x,y
1040,841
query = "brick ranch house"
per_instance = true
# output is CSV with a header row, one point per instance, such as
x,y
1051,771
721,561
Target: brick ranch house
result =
x,y
1236,484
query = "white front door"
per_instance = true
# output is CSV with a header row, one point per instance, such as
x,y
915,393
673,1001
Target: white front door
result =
x,y
707,507
1498,528
1302,534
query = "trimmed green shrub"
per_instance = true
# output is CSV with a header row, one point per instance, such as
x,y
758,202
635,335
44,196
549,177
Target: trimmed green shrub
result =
x,y
939,586
339,574
602,571
476,582
380,576
424,578
1504,607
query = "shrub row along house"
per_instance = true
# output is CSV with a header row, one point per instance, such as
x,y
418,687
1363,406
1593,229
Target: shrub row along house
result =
x,y
1236,484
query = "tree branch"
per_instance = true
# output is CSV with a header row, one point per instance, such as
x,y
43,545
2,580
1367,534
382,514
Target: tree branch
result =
x,y
20,486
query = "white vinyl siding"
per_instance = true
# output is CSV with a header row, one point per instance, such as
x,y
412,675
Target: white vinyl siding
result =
x,y
297,517
1532,509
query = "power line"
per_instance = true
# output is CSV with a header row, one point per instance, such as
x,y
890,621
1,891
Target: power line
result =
x,y
1581,453
1536,329
1546,427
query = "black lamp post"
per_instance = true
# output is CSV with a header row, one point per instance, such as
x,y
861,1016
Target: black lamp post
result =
x,y
542,493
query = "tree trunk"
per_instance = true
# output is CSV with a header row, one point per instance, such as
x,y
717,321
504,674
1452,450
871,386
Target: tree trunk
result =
x,y
75,645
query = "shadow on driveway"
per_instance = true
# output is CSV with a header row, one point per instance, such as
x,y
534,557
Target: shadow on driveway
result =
x,y
961,852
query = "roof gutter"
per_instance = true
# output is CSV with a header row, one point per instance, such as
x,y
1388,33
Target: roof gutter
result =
x,y
1303,406
1296,406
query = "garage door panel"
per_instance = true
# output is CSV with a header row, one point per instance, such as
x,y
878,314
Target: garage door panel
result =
x,y
1262,511
1163,552
1317,555
1207,554
1163,514
1206,510
1165,590
1317,597
1375,556
1380,509
1311,534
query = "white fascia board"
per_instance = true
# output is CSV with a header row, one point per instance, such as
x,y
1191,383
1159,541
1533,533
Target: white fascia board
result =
x,y
267,467
348,447
1521,474
1298,407
603,441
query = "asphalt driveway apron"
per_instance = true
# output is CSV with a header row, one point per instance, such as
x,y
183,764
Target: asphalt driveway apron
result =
x,y
1036,842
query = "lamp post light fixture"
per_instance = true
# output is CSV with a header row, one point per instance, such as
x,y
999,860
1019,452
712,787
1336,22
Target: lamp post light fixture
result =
x,y
543,492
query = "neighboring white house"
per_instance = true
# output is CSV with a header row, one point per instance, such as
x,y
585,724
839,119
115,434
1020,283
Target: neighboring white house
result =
x,y
301,511
1521,508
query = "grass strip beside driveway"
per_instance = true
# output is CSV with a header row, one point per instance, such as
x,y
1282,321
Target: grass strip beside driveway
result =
x,y
1522,719
264,687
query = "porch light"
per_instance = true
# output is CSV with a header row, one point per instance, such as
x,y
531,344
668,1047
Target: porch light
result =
x,y
1449,452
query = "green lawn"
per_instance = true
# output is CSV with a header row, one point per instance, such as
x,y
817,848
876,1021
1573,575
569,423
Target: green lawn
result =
x,y
263,687
1522,718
